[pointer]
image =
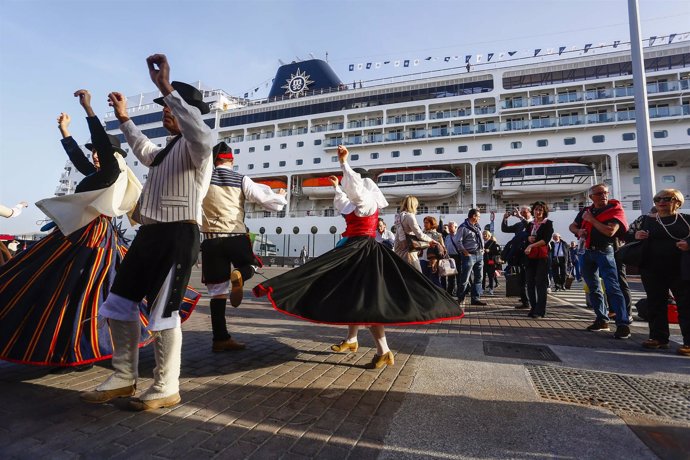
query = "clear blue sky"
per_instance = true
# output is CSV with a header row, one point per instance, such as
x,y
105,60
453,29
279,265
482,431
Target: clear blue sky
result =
x,y
50,48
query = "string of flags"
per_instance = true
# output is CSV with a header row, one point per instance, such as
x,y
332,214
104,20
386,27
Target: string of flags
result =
x,y
514,54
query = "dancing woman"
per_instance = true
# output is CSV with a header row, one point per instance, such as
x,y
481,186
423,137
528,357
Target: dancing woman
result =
x,y
360,282
51,293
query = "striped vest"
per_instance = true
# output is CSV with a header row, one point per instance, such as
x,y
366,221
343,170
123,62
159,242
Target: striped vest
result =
x,y
174,189
223,206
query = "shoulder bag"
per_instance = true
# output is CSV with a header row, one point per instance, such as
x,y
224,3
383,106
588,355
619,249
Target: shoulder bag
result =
x,y
446,267
414,244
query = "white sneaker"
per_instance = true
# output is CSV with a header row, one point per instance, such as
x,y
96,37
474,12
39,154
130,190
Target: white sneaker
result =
x,y
490,292
548,289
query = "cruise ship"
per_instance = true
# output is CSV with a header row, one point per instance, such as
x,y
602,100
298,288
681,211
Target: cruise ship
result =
x,y
491,138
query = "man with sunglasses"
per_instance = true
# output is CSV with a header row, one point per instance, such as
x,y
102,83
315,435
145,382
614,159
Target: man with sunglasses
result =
x,y
601,223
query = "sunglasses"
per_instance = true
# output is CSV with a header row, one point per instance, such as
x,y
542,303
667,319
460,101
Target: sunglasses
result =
x,y
665,199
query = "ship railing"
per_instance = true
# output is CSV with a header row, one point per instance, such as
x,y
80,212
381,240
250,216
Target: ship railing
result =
x,y
671,111
485,110
625,115
514,103
571,120
543,123
541,100
624,91
684,84
594,118
595,94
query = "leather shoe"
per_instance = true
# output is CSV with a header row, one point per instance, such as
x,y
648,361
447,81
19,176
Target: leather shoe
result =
x,y
477,302
344,347
653,344
684,350
227,345
150,404
236,292
104,396
378,362
522,306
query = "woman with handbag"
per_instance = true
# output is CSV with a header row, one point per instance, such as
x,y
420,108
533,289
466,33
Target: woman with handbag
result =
x,y
409,238
540,231
492,253
665,265
431,256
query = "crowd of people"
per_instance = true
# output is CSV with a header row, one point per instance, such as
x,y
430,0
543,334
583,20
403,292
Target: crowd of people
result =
x,y
53,294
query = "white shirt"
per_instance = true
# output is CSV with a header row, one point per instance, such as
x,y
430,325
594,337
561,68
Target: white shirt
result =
x,y
361,196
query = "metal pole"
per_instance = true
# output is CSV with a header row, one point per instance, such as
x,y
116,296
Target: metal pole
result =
x,y
644,143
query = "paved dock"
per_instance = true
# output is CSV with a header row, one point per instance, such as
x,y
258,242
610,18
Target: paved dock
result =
x,y
495,384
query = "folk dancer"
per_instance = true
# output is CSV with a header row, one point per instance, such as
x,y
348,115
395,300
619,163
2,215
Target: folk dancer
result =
x,y
50,294
359,282
160,260
226,239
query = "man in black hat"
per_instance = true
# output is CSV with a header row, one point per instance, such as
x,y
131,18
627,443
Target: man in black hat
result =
x,y
105,168
226,241
159,262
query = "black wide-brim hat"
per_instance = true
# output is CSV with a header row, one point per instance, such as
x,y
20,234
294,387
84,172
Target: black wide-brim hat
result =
x,y
114,141
191,96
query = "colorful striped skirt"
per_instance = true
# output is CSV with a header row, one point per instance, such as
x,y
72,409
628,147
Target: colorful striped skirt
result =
x,y
50,295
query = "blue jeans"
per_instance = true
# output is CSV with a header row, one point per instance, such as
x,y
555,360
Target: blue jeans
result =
x,y
472,264
596,265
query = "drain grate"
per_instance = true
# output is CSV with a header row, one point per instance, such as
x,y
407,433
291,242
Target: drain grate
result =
x,y
519,351
619,393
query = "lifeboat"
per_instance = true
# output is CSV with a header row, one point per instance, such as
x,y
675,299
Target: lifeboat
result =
x,y
546,177
427,183
317,188
274,184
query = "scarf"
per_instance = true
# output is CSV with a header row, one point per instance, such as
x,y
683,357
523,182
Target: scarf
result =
x,y
614,212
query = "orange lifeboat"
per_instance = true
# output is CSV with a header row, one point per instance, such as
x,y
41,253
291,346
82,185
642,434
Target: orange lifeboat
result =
x,y
275,184
318,187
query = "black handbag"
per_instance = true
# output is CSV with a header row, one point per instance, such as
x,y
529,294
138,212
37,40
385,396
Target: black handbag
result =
x,y
631,253
414,244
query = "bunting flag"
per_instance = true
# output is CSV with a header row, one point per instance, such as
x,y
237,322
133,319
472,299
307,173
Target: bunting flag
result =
x,y
518,54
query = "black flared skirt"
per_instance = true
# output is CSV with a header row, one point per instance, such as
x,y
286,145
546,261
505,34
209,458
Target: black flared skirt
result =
x,y
361,282
50,295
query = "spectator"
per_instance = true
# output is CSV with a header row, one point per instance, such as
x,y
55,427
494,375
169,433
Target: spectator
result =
x,y
470,245
574,260
492,255
516,257
540,232
600,224
383,235
430,256
406,224
452,282
559,260
666,266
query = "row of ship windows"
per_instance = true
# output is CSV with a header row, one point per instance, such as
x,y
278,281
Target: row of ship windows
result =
x,y
514,145
461,148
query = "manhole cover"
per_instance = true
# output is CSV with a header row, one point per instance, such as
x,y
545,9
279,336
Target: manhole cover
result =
x,y
638,395
519,351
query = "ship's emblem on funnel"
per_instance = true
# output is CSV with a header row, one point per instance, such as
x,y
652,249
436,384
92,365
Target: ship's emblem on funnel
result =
x,y
298,84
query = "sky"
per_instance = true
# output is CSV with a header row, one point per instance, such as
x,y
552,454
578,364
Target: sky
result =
x,y
51,48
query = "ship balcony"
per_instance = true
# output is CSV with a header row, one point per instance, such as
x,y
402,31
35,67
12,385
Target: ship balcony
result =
x,y
541,100
571,120
449,114
596,94
569,97
672,111
335,126
516,103
373,138
624,91
539,123
333,141
594,118
484,110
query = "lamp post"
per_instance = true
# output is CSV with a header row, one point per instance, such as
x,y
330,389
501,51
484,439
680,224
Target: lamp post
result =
x,y
314,230
263,243
333,230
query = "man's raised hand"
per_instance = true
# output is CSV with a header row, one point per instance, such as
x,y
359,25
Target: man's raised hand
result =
x,y
119,104
159,70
